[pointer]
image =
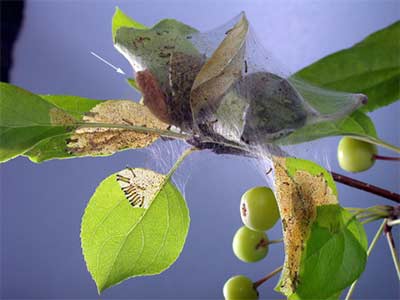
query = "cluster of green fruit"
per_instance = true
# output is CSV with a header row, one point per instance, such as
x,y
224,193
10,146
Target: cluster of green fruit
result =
x,y
259,212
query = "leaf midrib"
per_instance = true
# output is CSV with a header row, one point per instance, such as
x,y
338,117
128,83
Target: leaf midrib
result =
x,y
333,235
123,242
352,76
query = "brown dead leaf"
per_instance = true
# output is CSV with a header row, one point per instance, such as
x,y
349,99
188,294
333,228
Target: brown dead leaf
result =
x,y
102,141
221,70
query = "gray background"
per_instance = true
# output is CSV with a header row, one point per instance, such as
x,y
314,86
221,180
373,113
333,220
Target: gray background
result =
x,y
41,205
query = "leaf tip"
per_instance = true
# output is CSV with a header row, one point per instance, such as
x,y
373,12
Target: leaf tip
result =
x,y
100,288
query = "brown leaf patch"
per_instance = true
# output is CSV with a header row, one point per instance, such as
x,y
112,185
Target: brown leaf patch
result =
x,y
104,141
58,117
298,197
140,186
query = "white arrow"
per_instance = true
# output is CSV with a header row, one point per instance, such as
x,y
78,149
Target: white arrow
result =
x,y
119,70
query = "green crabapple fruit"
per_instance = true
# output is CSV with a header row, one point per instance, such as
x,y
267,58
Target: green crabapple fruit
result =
x,y
249,245
355,155
239,287
258,208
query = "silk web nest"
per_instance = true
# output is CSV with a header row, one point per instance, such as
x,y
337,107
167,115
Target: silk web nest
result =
x,y
224,89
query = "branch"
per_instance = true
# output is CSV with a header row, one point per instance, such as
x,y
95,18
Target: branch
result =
x,y
366,187
381,157
226,147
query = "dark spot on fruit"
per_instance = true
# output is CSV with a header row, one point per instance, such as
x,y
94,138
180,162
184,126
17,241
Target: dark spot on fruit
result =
x,y
244,210
262,244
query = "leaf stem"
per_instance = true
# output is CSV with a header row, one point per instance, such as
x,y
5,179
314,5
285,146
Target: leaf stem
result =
x,y
264,279
165,133
371,246
375,141
382,157
391,223
372,219
390,240
366,187
181,158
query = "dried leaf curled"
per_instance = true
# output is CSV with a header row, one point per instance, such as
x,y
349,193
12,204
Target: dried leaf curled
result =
x,y
222,69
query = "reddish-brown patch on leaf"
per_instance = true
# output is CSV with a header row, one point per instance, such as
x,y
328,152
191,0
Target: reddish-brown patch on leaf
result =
x,y
153,97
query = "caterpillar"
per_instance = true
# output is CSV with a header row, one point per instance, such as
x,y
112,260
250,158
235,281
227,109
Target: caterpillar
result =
x,y
133,192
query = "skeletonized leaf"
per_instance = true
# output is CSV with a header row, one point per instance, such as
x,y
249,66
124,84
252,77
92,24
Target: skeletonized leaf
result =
x,y
104,141
321,239
301,186
45,127
135,224
56,146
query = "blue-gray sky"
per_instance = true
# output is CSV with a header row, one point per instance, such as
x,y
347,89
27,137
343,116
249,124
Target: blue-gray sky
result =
x,y
41,205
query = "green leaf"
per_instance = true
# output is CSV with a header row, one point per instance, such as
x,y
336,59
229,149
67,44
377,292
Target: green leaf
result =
x,y
301,187
357,123
74,105
151,48
335,254
57,146
132,83
27,119
56,126
51,148
122,20
371,67
105,139
121,240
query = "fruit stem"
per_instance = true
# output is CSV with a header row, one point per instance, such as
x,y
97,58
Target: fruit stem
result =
x,y
264,279
381,157
366,187
275,241
371,246
390,240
